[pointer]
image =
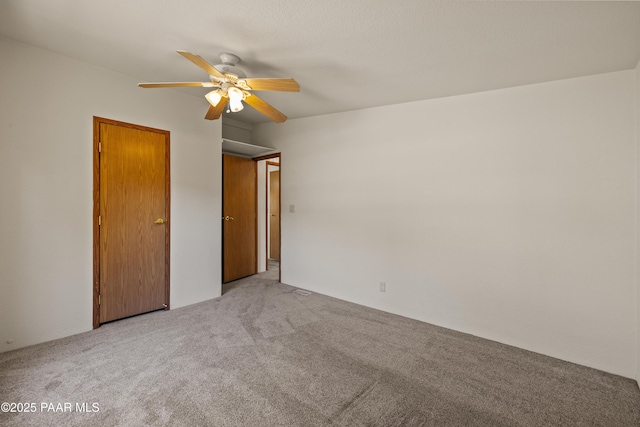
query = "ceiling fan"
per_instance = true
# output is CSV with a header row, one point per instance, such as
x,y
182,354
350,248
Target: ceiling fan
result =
x,y
232,87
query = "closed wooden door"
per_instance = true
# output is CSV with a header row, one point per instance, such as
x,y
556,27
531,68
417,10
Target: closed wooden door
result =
x,y
239,218
274,214
133,214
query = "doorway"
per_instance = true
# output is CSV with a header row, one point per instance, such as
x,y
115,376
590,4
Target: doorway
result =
x,y
131,220
251,184
273,214
269,227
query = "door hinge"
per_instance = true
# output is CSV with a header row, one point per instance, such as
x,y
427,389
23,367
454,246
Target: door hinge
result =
x,y
98,299
99,147
99,220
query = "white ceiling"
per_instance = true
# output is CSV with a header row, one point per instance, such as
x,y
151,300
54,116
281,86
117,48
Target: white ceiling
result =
x,y
346,54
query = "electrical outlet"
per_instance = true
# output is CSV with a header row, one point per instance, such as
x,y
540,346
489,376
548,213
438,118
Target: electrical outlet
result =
x,y
383,286
292,208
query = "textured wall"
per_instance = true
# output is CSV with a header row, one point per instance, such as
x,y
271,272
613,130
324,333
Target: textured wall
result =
x,y
46,184
637,70
506,214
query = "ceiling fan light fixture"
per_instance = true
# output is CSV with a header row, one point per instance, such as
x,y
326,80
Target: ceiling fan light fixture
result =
x,y
231,87
235,99
214,97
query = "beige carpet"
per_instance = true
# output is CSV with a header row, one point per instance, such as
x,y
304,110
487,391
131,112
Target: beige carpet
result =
x,y
264,355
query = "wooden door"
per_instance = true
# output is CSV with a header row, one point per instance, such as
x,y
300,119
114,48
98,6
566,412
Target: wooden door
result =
x,y
274,214
133,214
239,218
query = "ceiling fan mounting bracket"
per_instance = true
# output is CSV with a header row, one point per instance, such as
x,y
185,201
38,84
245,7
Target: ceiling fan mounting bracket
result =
x,y
229,65
229,59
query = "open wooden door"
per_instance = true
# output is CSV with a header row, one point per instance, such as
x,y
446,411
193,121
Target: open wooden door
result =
x,y
239,218
274,215
131,229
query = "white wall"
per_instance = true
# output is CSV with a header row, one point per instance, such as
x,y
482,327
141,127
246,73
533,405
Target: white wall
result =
x,y
236,131
506,214
262,216
637,91
47,105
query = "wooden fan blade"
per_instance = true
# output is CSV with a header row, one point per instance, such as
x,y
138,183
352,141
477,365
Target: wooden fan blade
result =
x,y
177,84
200,62
265,108
282,85
214,112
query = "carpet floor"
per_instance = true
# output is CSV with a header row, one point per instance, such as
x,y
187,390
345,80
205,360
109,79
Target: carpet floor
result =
x,y
265,355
